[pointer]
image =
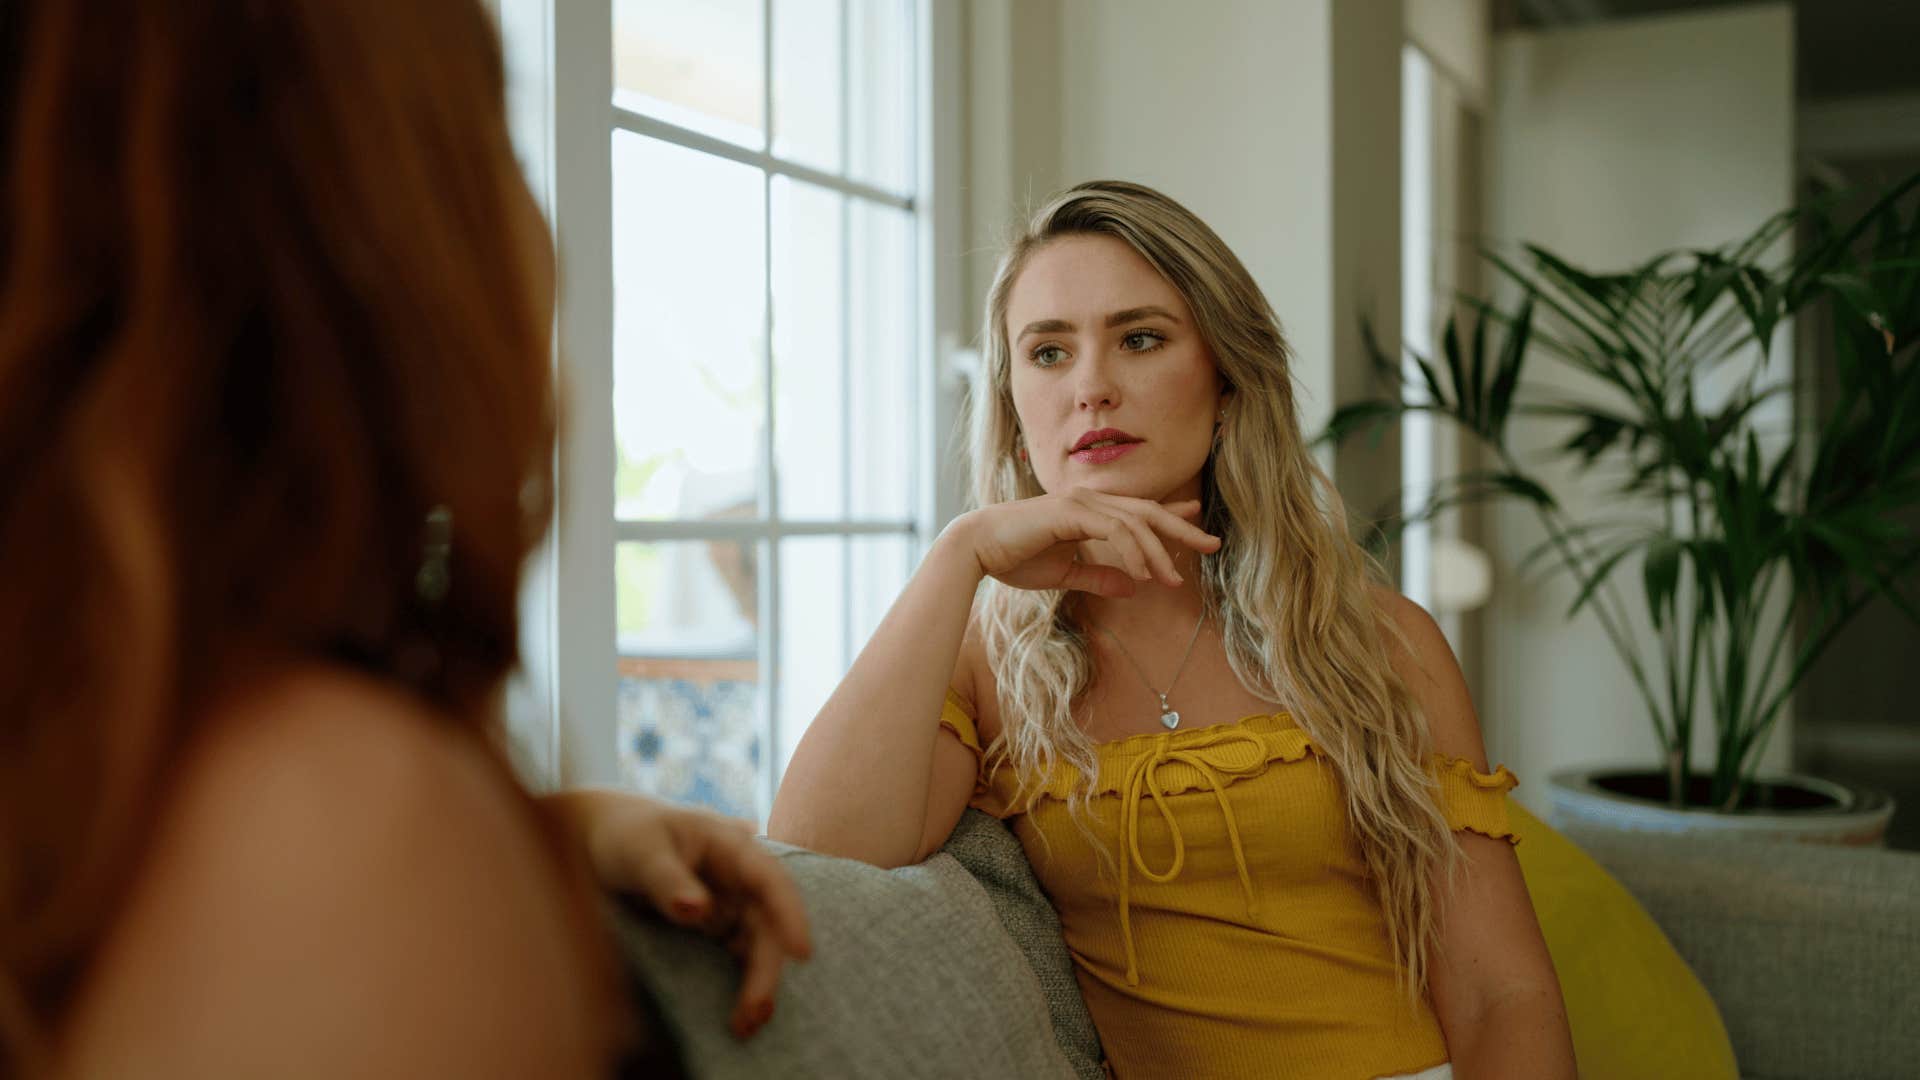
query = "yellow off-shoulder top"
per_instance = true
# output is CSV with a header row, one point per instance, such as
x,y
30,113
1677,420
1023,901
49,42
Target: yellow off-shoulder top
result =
x,y
1235,932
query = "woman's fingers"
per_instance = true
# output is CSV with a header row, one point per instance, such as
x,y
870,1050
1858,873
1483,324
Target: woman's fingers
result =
x,y
1171,520
1191,535
768,920
746,898
707,873
1185,508
743,869
665,876
761,954
1107,581
1148,522
1155,551
1030,544
1097,523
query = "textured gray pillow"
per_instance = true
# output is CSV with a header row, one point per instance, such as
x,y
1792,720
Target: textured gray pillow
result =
x,y
989,851
912,976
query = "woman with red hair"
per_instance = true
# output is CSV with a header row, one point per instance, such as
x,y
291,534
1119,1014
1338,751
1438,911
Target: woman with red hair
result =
x,y
276,437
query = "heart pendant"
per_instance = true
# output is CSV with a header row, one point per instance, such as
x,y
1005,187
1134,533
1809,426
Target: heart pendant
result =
x,y
1171,719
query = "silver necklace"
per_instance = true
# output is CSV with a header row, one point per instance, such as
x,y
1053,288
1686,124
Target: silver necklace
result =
x,y
1168,717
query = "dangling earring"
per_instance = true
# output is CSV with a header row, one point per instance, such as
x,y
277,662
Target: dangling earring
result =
x,y
434,576
417,656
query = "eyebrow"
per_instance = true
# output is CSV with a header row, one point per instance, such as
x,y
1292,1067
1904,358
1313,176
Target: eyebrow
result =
x,y
1118,318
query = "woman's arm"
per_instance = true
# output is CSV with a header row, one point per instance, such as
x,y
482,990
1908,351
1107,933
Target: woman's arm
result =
x,y
863,781
1494,988
859,781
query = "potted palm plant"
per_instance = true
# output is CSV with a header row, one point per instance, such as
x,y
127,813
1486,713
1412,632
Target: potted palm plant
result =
x,y
1750,548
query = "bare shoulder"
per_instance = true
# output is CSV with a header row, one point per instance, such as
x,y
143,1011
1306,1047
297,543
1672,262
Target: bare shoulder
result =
x,y
308,733
1416,625
339,882
1420,648
1425,662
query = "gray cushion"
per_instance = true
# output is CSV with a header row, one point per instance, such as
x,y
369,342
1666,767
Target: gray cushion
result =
x,y
989,851
1810,952
912,976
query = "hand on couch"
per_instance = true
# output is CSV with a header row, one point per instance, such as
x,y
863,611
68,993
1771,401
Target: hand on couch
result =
x,y
699,870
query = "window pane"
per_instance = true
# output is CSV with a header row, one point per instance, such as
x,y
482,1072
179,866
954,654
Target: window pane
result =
x,y
688,598
813,632
689,683
806,82
882,356
809,350
695,63
834,590
881,566
880,79
688,332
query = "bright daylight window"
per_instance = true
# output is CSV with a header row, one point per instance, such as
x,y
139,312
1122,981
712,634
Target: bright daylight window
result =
x,y
765,372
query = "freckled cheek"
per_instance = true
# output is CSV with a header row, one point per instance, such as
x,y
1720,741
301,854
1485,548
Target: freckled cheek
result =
x,y
1185,403
1042,410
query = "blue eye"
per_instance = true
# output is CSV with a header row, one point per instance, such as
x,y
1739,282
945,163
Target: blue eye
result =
x,y
1047,355
1142,341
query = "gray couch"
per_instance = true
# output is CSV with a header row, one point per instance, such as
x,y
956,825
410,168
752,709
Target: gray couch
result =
x,y
955,967
1811,953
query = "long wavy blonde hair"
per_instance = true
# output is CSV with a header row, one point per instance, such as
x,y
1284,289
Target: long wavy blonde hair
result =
x,y
1289,588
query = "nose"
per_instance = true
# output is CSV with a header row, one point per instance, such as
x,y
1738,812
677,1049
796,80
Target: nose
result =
x,y
1094,387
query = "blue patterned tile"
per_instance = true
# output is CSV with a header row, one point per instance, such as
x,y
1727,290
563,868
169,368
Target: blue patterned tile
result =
x,y
690,742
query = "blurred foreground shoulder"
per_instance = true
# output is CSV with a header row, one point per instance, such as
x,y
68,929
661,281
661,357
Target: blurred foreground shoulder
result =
x,y
341,883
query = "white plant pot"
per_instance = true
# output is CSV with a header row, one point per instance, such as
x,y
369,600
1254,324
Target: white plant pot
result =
x,y
1855,816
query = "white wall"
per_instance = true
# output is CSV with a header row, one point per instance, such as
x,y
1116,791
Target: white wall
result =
x,y
1013,127
1607,144
1226,107
1455,36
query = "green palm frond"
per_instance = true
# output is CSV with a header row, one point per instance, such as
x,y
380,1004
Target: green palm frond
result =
x,y
1727,506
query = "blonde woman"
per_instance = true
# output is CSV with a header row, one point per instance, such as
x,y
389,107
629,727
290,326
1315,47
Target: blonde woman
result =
x,y
1249,777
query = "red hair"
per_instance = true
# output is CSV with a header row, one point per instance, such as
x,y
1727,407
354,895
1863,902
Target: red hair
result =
x,y
272,290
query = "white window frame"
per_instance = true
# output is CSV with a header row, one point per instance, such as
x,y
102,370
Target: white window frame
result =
x,y
565,707
1417,432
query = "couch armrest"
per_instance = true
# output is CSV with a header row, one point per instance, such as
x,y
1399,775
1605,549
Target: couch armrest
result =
x,y
912,978
1810,952
989,851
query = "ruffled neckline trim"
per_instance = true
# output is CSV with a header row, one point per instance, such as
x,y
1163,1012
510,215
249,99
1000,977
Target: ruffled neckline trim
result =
x,y
1231,751
1191,759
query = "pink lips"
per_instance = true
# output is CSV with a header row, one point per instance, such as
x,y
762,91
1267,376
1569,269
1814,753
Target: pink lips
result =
x,y
1100,455
1117,444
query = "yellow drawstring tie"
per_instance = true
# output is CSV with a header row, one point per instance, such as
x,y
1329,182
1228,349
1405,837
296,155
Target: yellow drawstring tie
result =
x,y
1144,774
